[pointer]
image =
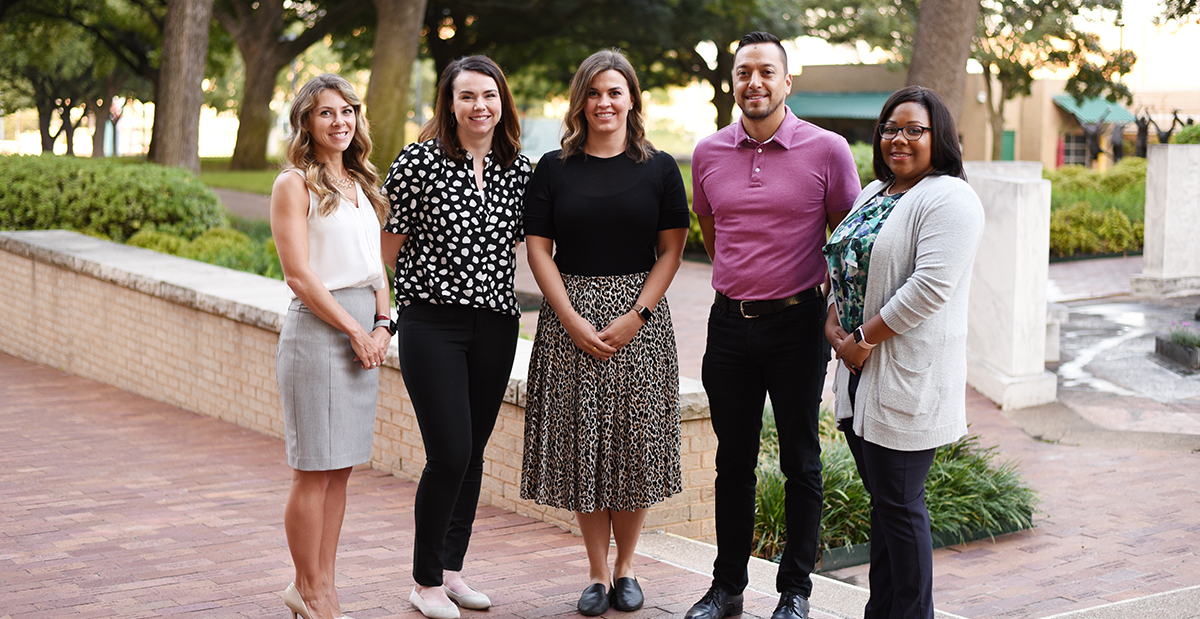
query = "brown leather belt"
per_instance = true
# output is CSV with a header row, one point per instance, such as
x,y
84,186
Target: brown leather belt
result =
x,y
754,309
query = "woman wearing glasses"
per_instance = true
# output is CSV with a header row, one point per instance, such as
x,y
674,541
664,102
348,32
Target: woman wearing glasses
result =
x,y
900,268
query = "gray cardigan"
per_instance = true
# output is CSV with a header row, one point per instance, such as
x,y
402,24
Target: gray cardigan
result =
x,y
911,395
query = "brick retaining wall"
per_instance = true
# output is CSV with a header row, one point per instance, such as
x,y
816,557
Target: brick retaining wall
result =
x,y
203,338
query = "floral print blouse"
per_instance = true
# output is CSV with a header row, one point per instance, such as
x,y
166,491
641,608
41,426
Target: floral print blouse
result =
x,y
848,253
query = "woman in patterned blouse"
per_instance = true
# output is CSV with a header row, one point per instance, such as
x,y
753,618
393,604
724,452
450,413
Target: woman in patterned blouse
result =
x,y
451,237
900,268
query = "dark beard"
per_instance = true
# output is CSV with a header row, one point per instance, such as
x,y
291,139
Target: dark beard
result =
x,y
757,114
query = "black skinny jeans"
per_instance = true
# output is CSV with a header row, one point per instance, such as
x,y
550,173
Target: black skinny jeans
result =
x,y
784,354
456,362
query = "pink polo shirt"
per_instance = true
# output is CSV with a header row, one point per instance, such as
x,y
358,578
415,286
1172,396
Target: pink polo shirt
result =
x,y
769,203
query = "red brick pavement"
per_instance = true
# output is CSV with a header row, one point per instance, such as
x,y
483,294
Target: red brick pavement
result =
x,y
1114,524
113,505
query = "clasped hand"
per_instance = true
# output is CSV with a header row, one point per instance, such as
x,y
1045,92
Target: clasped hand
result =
x,y
370,349
605,343
846,349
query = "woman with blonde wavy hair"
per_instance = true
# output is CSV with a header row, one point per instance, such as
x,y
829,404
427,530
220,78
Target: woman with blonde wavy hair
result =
x,y
606,218
325,214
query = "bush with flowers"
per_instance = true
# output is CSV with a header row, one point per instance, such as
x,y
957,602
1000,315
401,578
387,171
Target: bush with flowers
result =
x,y
1185,334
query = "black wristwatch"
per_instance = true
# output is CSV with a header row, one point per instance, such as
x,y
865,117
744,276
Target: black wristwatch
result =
x,y
643,311
386,322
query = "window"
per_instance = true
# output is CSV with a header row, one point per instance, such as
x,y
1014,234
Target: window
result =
x,y
1074,150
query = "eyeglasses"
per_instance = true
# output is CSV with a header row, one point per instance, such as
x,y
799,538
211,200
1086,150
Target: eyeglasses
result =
x,y
911,132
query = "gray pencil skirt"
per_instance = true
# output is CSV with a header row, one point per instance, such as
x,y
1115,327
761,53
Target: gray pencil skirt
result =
x,y
328,398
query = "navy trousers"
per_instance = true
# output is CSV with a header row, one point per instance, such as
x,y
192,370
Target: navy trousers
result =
x,y
901,575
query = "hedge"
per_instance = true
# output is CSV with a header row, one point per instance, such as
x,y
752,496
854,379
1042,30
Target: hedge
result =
x,y
969,490
1189,134
224,247
1093,212
104,197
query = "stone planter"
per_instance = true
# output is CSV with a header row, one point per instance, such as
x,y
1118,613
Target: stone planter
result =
x,y
860,554
1187,356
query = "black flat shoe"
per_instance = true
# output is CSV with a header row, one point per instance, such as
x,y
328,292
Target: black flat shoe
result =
x,y
594,601
627,595
715,604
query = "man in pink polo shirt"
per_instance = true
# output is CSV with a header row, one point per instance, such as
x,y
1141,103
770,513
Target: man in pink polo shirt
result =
x,y
766,190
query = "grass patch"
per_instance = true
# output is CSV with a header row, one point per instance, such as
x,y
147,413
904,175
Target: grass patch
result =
x,y
216,173
969,490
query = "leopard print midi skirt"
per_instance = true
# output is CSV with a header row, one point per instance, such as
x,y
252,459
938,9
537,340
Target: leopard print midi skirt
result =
x,y
602,434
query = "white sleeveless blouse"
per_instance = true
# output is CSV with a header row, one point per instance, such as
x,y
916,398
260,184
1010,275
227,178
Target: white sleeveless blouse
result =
x,y
343,248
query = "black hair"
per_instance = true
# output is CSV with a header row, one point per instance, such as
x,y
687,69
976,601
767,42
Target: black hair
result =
x,y
945,153
758,36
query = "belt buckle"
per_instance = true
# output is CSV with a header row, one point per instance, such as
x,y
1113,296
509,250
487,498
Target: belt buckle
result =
x,y
742,309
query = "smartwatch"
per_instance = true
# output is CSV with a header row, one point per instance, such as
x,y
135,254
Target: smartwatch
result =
x,y
861,339
643,311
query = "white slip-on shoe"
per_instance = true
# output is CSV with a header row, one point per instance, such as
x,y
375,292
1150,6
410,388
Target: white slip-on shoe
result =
x,y
473,600
447,611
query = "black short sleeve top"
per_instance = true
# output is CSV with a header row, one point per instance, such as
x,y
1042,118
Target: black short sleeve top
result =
x,y
604,214
461,247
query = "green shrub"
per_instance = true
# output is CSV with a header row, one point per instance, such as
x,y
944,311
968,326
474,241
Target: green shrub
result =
x,y
1128,173
1097,212
1071,179
1189,134
225,247
158,241
104,198
863,160
1079,229
968,491
1185,334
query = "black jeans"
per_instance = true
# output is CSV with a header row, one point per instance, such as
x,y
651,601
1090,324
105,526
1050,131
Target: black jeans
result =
x,y
901,575
456,362
784,354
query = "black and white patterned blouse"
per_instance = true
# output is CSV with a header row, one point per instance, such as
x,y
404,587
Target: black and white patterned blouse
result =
x,y
461,247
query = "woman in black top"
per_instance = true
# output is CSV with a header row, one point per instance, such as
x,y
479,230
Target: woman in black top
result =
x,y
451,237
602,404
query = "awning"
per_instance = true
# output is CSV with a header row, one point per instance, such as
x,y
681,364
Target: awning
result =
x,y
856,105
1092,110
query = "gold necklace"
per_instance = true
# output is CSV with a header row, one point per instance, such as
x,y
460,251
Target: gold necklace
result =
x,y
344,183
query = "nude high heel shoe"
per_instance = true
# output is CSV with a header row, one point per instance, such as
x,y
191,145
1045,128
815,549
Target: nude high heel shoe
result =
x,y
295,603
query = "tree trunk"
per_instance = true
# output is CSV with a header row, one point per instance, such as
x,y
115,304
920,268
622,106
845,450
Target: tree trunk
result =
x,y
397,35
68,127
995,108
254,118
722,83
941,46
185,46
99,110
45,115
258,29
99,126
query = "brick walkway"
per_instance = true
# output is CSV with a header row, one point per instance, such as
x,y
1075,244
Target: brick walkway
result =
x,y
1115,524
113,505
